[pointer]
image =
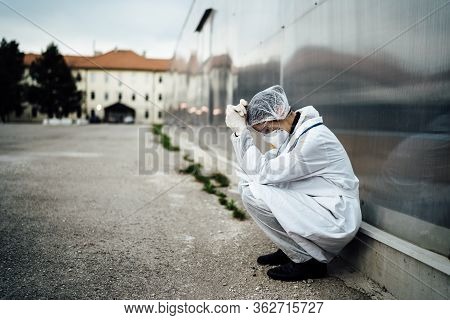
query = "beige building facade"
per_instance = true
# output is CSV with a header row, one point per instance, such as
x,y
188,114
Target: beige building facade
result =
x,y
117,86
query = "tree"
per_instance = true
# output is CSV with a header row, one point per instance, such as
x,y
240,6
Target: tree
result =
x,y
11,73
55,93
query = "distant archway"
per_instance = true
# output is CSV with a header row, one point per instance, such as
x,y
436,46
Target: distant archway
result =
x,y
118,112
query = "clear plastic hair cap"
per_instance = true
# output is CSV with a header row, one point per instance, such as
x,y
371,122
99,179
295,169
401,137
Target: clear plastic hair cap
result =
x,y
268,105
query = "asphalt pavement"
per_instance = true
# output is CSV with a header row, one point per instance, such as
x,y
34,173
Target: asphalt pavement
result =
x,y
79,220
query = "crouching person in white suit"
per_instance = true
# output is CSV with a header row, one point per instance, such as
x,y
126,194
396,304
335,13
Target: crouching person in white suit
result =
x,y
303,193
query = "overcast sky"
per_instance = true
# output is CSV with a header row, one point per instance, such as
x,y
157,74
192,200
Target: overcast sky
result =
x,y
139,25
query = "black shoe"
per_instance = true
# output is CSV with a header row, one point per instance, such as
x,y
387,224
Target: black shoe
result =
x,y
311,269
273,259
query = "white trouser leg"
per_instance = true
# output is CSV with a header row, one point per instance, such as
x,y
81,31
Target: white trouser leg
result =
x,y
264,218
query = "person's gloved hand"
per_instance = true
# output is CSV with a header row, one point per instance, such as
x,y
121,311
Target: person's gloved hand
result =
x,y
241,108
235,116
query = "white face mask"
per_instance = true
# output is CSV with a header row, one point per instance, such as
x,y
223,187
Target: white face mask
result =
x,y
276,137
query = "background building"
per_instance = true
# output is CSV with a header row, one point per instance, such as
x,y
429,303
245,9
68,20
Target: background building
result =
x,y
115,85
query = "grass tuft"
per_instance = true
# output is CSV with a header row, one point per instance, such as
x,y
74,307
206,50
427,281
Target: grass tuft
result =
x,y
221,194
239,214
157,129
209,187
195,169
187,158
201,178
221,179
223,201
164,139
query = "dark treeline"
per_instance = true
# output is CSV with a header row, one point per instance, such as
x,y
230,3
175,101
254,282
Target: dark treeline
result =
x,y
49,87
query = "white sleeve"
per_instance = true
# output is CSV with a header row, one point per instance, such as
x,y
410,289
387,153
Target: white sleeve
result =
x,y
304,160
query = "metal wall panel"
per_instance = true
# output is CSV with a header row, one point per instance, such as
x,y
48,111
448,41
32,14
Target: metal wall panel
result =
x,y
377,71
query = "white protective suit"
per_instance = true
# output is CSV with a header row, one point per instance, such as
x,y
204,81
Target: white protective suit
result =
x,y
304,195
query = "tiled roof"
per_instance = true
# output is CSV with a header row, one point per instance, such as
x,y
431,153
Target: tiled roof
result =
x,y
115,59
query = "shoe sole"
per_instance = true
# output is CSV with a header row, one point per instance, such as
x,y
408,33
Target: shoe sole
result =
x,y
272,263
297,278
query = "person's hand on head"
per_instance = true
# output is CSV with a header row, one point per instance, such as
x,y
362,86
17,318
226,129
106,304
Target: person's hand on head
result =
x,y
241,108
235,116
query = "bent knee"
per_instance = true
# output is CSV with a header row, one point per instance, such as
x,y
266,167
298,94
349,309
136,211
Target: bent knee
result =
x,y
246,195
249,200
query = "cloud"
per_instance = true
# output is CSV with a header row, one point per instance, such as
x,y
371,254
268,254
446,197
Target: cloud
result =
x,y
138,25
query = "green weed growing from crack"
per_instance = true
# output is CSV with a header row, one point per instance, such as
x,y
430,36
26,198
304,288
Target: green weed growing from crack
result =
x,y
237,213
195,169
221,181
187,158
209,187
164,139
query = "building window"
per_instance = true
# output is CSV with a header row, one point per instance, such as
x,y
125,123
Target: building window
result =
x,y
133,97
160,97
92,95
78,77
159,114
120,96
106,96
146,97
146,114
160,79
